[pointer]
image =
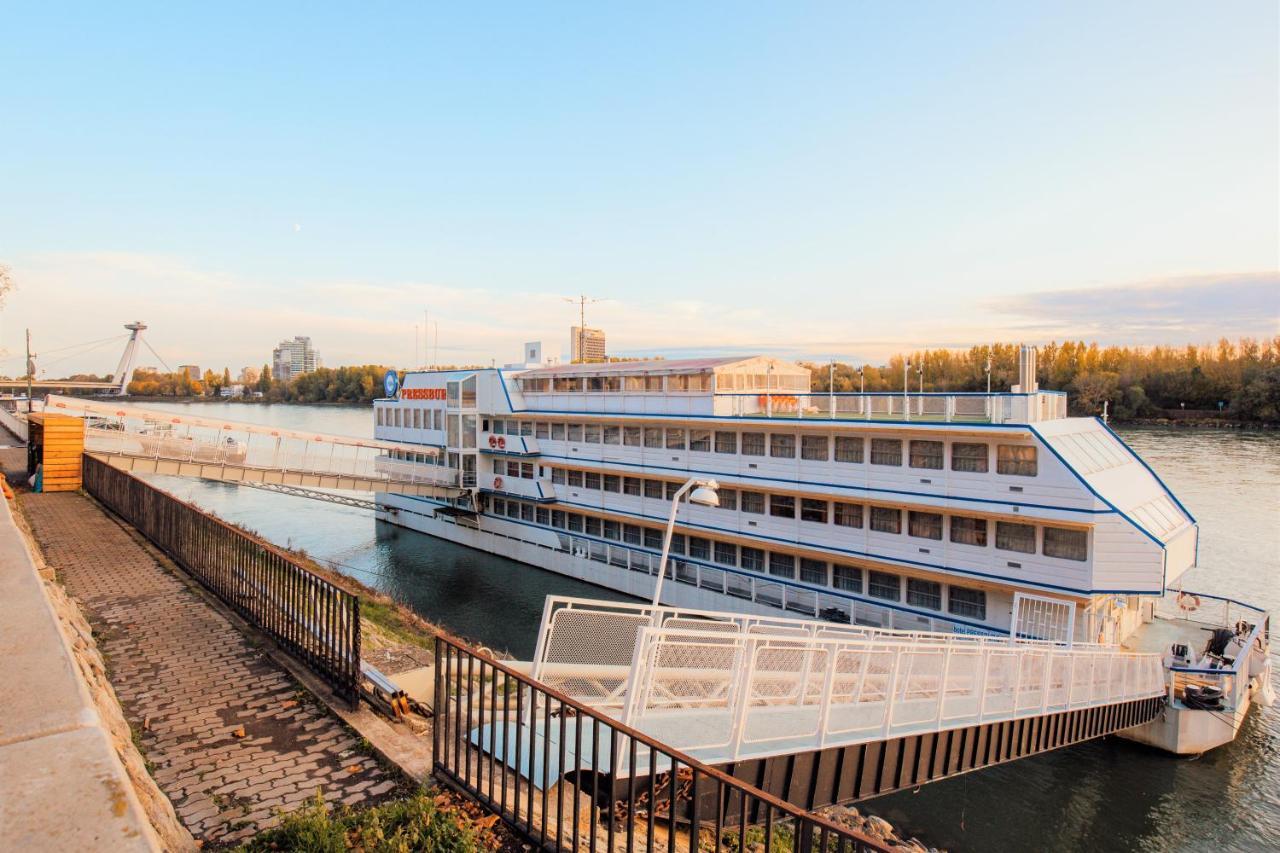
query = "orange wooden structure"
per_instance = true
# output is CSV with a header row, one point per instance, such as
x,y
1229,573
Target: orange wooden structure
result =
x,y
56,444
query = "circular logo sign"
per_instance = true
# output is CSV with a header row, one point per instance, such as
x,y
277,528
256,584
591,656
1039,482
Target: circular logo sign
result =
x,y
391,383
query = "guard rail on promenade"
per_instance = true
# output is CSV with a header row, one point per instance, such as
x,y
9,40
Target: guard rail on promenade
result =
x,y
309,617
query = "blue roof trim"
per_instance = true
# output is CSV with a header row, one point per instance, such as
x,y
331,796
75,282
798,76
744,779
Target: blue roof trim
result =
x,y
1150,470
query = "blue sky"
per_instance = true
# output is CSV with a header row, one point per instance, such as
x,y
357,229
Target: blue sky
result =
x,y
846,179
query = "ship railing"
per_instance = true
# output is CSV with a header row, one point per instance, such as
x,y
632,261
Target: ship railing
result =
x,y
1233,678
928,407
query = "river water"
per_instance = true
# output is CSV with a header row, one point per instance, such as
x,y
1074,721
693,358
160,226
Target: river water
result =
x,y
1104,795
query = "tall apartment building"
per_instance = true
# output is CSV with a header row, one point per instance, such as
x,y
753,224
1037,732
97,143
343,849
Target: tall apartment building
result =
x,y
586,344
293,358
192,371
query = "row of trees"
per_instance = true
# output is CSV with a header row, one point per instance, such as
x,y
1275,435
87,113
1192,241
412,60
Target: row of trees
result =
x,y
1242,379
325,385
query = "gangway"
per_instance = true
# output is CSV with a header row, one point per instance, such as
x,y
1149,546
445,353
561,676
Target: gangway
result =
x,y
819,713
151,441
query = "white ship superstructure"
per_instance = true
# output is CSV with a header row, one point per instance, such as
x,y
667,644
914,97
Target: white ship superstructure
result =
x,y
957,512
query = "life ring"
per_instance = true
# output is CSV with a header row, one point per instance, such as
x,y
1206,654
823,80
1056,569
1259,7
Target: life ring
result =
x,y
502,443
1188,602
493,441
497,482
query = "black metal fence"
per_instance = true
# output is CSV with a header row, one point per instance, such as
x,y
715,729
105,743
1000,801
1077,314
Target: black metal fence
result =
x,y
568,778
309,617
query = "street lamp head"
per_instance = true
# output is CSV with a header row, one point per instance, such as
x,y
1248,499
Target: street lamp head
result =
x,y
705,494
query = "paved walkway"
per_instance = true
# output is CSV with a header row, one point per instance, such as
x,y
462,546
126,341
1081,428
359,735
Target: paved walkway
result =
x,y
232,737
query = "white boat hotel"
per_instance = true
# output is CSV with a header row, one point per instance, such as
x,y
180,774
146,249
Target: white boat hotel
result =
x,y
949,512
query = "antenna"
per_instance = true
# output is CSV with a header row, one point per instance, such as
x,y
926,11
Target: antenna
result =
x,y
582,300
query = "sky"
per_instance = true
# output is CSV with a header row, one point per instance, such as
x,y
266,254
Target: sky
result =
x,y
848,179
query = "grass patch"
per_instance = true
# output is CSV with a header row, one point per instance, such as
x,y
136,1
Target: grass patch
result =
x,y
412,825
395,621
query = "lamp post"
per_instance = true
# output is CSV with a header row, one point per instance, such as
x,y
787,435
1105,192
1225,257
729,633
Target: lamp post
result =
x,y
906,388
704,494
831,387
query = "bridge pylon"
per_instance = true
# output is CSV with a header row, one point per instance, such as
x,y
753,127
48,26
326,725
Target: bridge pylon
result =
x,y
124,372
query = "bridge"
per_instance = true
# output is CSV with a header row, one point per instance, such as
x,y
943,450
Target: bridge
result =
x,y
151,441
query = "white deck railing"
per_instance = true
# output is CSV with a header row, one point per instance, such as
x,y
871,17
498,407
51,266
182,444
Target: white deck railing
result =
x,y
938,407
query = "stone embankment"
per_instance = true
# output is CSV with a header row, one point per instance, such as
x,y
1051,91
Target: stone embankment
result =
x,y
876,827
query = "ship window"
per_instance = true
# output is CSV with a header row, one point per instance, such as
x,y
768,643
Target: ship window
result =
x,y
451,438
925,525
753,502
594,383
926,594
611,483
886,451
633,383
970,603
631,436
612,435
526,428
814,447
782,506
753,444
653,436
653,538
632,486
567,383
592,525
469,430
1016,459
677,543
700,440
847,578
632,535
813,571
782,446
613,530
574,432
557,432
699,548
926,454
591,480
728,499
849,448
972,458
417,418
653,489
513,509
526,470
469,392
575,479
1066,543
543,516
677,382
675,439
437,418
613,383
752,558
782,565
540,430
557,476
526,512
884,585
653,383
451,394
1011,536
847,514
557,518
591,433
498,426
726,442
397,417
500,467
726,554
813,510
886,519
969,531
499,506
380,416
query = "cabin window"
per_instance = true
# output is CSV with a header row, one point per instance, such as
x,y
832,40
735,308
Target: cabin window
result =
x,y
469,423
969,603
499,506
699,548
849,448
417,418
632,486
500,467
846,578
815,447
557,476
675,439
972,458
591,480
969,531
813,571
925,525
397,418
753,444
753,502
886,451
728,499
653,538
726,442
884,586
513,509
566,383
451,394
557,518
592,525
469,392
782,506
1011,536
526,428
632,534
1066,543
574,432
380,415
782,446
653,437
437,419
575,479
541,430
813,510
526,470
594,383
612,435
591,433
782,565
700,440
557,432
926,594
611,483
1016,459
677,382
753,559
653,489
613,530
526,512
726,554
886,519
847,514
631,436
671,489
653,384
926,454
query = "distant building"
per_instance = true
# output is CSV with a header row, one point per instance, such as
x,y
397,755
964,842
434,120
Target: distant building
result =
x,y
192,371
533,357
293,358
231,391
586,344
249,375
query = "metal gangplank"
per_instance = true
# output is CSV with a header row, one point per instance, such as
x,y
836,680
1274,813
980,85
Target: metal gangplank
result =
x,y
151,441
755,694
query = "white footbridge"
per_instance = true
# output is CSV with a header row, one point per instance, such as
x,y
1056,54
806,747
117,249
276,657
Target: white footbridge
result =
x,y
152,441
